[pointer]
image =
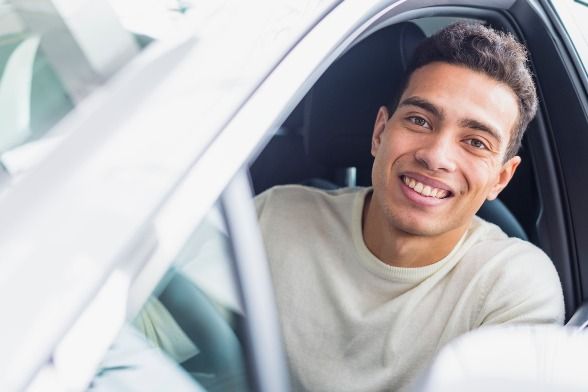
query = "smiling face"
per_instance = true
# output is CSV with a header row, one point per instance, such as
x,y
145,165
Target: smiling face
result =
x,y
441,153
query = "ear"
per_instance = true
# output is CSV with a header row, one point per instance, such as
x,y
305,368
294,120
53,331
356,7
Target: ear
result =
x,y
379,127
506,172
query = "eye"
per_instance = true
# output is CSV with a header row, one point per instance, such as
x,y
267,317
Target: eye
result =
x,y
419,121
477,144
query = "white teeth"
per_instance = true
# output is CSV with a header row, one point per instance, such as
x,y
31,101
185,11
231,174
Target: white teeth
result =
x,y
427,191
423,189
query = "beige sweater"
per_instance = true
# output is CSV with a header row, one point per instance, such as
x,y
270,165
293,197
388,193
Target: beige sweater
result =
x,y
352,323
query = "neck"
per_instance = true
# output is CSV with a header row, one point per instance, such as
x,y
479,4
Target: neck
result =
x,y
402,249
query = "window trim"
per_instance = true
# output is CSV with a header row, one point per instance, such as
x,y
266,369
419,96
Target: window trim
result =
x,y
266,348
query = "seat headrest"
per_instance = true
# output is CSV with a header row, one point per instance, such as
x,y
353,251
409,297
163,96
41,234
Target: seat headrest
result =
x,y
341,108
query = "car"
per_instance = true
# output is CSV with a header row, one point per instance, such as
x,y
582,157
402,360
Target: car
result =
x,y
131,256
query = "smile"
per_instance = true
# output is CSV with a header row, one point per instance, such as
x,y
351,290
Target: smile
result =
x,y
425,190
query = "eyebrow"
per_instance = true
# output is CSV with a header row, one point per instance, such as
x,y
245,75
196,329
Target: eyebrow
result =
x,y
423,104
438,112
475,124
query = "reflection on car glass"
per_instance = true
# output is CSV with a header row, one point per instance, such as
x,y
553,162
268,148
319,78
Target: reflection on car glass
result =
x,y
133,363
32,98
205,259
194,315
51,63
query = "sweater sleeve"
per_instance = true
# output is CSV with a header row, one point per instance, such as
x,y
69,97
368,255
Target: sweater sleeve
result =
x,y
523,287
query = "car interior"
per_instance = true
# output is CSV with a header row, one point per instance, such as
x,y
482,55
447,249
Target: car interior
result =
x,y
325,141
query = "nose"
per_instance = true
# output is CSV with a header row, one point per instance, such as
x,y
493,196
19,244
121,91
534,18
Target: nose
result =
x,y
437,153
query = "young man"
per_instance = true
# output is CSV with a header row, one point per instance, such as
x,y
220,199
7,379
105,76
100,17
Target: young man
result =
x,y
370,283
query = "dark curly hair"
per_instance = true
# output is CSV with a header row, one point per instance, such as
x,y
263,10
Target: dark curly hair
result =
x,y
494,53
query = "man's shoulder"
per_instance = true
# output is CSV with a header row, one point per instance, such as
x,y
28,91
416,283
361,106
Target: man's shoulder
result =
x,y
492,242
300,196
305,215
493,253
295,190
515,279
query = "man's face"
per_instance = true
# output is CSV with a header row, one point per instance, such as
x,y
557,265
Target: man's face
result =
x,y
441,153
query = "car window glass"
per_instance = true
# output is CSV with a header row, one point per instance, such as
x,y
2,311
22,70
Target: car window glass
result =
x,y
32,97
50,60
574,15
193,317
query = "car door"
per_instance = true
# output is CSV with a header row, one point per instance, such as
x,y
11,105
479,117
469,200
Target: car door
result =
x,y
81,227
